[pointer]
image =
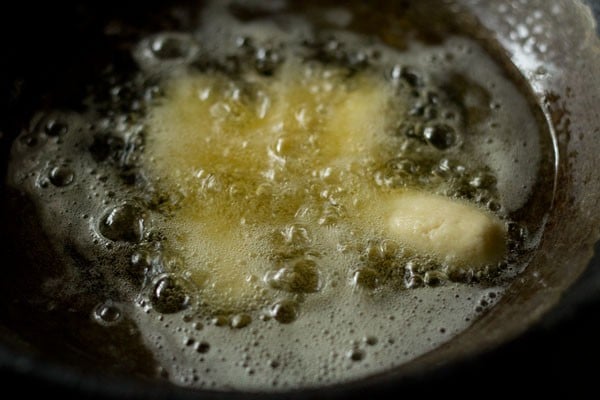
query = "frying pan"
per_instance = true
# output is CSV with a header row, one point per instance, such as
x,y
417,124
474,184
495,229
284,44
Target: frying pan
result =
x,y
541,337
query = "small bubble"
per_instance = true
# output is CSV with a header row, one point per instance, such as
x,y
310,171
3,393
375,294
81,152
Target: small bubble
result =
x,y
482,180
168,296
370,340
220,320
28,140
123,223
240,321
267,60
434,278
413,281
295,235
163,373
396,72
493,206
411,77
358,59
56,128
450,115
198,326
107,313
495,105
43,182
285,311
153,92
367,278
170,47
440,136
61,176
356,355
202,347
243,42
300,276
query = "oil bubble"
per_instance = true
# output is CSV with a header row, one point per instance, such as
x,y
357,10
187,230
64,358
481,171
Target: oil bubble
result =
x,y
356,355
413,281
28,140
267,60
396,73
440,136
301,276
370,340
56,128
220,320
409,76
202,347
434,278
285,311
169,296
198,326
171,46
123,223
165,50
240,321
482,180
61,176
107,313
367,278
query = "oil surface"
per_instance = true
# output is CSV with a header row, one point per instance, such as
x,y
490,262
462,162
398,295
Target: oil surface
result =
x,y
334,116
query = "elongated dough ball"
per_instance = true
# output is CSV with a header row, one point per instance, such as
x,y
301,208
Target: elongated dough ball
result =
x,y
451,231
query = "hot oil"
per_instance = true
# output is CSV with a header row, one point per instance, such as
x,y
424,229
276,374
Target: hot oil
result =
x,y
253,262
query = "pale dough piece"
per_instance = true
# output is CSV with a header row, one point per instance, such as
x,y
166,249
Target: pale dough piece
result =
x,y
453,232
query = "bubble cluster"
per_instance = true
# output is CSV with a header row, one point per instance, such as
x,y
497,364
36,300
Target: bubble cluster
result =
x,y
169,295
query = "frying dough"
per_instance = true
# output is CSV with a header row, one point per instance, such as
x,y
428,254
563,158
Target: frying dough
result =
x,y
269,170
